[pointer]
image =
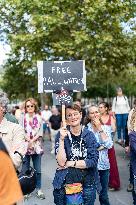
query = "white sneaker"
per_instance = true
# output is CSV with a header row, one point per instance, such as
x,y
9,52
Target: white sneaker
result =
x,y
52,152
40,194
26,197
120,140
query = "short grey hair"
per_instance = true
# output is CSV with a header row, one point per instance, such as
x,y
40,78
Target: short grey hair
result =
x,y
118,89
4,101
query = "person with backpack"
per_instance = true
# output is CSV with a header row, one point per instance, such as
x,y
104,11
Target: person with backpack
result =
x,y
121,108
10,190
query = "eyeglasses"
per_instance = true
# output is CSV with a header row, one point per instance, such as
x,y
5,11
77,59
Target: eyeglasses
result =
x,y
29,106
73,114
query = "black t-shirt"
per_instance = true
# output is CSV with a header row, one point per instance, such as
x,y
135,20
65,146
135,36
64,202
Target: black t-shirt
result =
x,y
55,121
78,148
78,152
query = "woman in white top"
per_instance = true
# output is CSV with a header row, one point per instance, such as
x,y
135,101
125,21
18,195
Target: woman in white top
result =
x,y
120,108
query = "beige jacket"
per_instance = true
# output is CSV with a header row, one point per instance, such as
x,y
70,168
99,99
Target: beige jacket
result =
x,y
13,136
128,122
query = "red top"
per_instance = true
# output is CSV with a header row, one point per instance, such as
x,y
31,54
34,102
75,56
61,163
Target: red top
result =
x,y
108,121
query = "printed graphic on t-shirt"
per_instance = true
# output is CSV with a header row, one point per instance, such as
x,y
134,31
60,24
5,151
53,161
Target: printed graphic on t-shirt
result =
x,y
78,148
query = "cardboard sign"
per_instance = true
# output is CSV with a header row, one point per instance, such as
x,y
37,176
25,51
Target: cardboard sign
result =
x,y
58,75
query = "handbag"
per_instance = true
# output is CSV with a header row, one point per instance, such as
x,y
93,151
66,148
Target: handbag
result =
x,y
74,191
74,194
27,178
73,188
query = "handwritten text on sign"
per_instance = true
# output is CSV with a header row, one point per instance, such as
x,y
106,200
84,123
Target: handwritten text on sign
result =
x,y
67,74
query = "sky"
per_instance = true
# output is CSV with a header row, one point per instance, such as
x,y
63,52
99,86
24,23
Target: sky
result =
x,y
3,50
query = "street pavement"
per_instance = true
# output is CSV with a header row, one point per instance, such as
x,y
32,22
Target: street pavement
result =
x,y
121,197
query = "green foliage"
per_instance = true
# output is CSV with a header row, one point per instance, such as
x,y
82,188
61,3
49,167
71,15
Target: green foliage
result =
x,y
19,80
68,30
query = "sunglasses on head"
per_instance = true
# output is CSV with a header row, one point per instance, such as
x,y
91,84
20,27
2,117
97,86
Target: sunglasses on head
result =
x,y
30,106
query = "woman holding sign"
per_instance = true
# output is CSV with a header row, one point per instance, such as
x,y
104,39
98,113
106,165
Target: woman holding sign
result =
x,y
77,158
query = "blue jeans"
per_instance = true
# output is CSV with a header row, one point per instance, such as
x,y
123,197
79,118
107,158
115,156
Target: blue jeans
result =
x,y
46,127
134,197
134,193
89,195
131,174
36,158
104,180
121,121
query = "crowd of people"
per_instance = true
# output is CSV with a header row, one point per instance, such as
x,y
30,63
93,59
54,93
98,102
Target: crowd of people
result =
x,y
83,146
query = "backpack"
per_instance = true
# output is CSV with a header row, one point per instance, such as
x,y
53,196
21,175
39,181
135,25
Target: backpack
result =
x,y
123,96
27,178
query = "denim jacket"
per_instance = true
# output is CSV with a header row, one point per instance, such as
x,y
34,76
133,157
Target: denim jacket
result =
x,y
91,160
132,141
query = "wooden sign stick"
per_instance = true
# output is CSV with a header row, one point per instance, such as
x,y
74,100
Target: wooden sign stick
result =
x,y
63,116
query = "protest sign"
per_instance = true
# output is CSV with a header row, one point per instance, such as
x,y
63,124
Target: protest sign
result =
x,y
60,78
57,75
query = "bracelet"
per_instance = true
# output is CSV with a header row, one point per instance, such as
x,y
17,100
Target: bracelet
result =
x,y
74,163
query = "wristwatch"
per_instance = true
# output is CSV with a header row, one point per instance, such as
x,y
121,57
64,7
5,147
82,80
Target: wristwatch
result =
x,y
75,164
101,131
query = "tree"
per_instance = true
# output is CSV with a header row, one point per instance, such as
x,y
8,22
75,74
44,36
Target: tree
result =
x,y
19,81
65,30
